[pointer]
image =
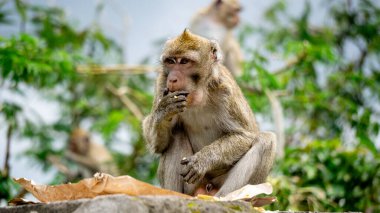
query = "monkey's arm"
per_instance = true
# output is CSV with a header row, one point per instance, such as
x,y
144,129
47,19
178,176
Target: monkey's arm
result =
x,y
227,150
240,132
156,133
157,126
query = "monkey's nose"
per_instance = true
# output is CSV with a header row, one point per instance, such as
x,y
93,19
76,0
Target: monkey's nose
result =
x,y
173,84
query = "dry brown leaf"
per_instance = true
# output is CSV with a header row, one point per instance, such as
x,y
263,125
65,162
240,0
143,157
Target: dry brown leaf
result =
x,y
100,184
248,192
105,184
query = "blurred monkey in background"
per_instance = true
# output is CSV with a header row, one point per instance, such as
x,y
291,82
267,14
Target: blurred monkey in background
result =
x,y
217,21
90,156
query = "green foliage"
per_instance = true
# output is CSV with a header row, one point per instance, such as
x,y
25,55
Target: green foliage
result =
x,y
8,188
27,59
324,176
44,60
326,94
322,84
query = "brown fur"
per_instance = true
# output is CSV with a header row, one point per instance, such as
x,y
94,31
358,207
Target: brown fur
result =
x,y
217,134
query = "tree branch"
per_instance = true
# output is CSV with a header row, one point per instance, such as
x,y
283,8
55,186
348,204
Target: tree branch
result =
x,y
119,68
7,152
56,162
278,117
290,63
126,101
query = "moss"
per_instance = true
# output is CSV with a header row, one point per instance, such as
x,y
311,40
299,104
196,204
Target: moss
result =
x,y
236,208
193,207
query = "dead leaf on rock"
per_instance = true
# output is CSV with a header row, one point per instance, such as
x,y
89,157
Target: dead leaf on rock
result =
x,y
100,184
105,184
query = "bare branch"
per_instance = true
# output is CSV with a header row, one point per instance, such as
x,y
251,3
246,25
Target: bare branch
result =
x,y
278,117
56,162
126,101
82,160
114,69
7,152
252,89
289,64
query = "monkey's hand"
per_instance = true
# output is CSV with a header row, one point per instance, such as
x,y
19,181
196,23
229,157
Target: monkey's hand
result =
x,y
194,169
171,104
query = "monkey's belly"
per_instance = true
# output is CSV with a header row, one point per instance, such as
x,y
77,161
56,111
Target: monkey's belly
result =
x,y
202,134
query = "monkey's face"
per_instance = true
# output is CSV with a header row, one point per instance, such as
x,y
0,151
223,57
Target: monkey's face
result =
x,y
228,11
187,62
183,74
79,142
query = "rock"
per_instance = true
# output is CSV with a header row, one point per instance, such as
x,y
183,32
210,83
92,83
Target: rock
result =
x,y
124,203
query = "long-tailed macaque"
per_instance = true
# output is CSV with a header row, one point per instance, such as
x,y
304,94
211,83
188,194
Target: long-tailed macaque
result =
x,y
201,124
217,22
91,156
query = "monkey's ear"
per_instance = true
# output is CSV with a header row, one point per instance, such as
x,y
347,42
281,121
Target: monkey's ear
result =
x,y
216,51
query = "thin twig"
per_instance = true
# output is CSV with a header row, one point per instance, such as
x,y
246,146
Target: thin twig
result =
x,y
278,117
127,102
56,162
252,89
289,64
258,91
7,152
119,68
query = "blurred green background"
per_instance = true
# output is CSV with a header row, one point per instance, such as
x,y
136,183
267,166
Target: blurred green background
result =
x,y
327,85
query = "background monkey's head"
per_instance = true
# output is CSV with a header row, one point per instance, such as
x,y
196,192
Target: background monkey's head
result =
x,y
227,12
79,141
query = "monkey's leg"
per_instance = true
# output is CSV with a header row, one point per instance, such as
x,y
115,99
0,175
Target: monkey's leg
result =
x,y
169,168
254,166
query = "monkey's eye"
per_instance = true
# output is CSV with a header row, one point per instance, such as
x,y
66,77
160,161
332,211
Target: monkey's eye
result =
x,y
169,61
184,61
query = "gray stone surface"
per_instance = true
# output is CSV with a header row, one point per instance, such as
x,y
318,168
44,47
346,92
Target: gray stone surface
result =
x,y
124,203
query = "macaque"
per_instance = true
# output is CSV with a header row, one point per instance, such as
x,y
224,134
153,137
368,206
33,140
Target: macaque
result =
x,y
91,156
217,22
201,125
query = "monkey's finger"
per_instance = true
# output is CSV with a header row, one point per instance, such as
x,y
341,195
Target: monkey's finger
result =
x,y
179,93
178,107
166,91
182,92
194,178
190,175
168,100
185,170
175,106
178,99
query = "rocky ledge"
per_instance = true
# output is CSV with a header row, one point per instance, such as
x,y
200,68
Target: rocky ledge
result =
x,y
124,203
